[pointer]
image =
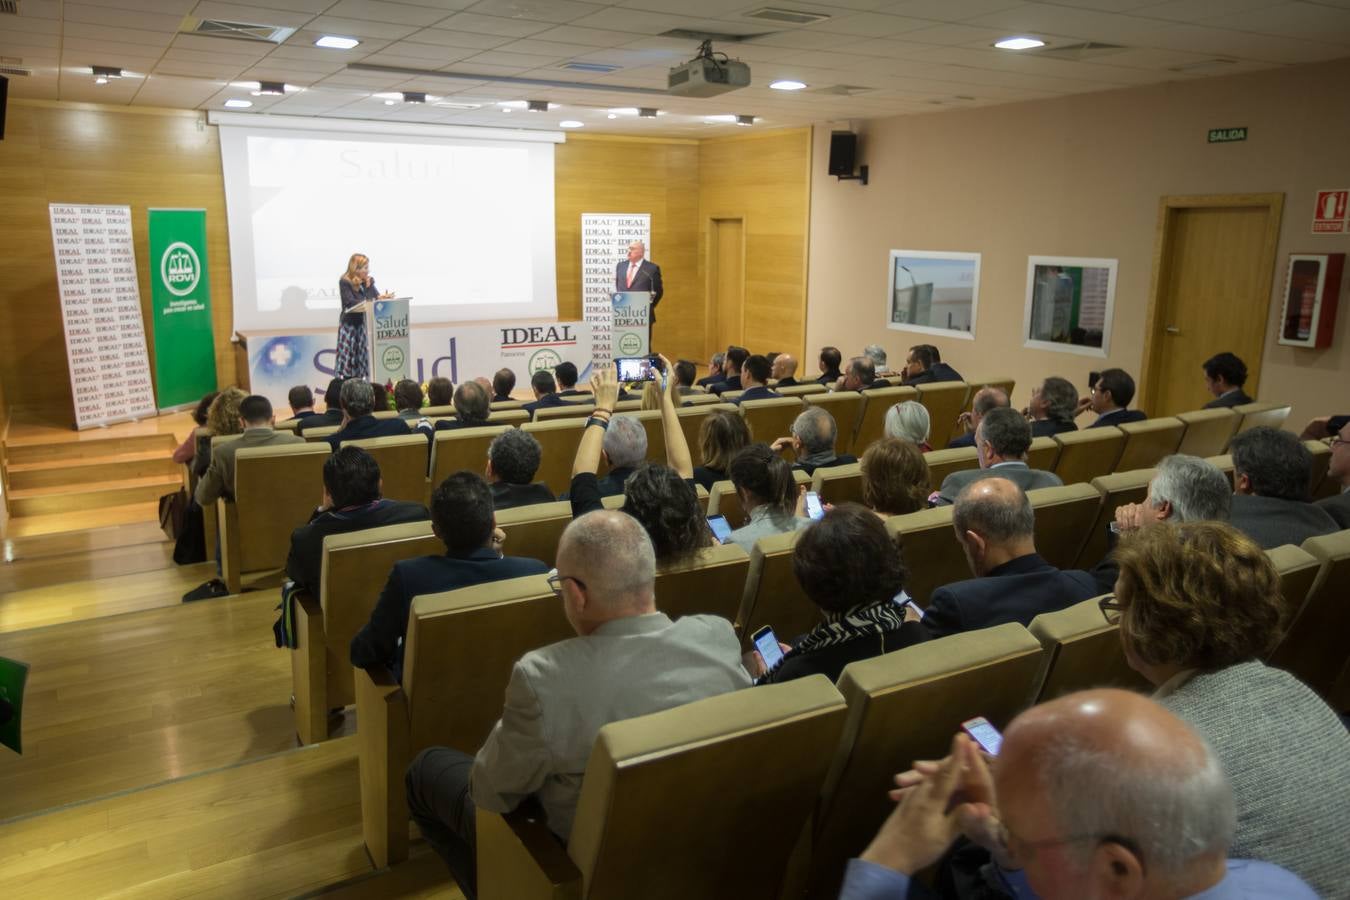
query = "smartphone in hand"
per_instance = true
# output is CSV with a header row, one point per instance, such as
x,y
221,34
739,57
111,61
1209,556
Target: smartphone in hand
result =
x,y
984,734
766,642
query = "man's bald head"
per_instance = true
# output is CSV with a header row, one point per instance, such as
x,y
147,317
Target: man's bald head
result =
x,y
987,398
994,523
784,366
609,569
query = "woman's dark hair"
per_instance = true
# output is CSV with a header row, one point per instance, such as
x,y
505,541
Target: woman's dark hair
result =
x,y
332,395
848,560
894,477
381,396
407,395
765,476
721,437
439,391
204,404
667,507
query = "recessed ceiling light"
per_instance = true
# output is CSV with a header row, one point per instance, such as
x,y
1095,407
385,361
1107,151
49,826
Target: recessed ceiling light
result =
x,y
624,111
747,121
414,97
513,104
784,84
612,116
238,104
648,112
388,95
720,120
104,74
1019,43
245,85
391,103
333,42
539,105
570,123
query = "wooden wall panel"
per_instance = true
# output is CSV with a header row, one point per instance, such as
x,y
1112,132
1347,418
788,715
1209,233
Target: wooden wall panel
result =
x,y
85,153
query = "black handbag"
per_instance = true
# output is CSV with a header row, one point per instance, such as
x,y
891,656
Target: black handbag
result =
x,y
190,546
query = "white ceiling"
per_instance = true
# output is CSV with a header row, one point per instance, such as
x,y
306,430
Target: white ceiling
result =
x,y
912,55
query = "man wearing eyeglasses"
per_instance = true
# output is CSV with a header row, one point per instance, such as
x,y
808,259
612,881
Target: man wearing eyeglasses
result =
x,y
1097,794
1338,470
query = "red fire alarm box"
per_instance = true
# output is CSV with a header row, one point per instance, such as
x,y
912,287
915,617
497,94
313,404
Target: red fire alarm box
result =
x,y
1311,291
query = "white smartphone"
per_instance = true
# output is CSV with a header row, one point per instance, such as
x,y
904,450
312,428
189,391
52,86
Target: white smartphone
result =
x,y
766,642
984,734
721,528
813,507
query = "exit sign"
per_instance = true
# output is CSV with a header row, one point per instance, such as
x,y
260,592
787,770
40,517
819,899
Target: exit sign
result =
x,y
1227,135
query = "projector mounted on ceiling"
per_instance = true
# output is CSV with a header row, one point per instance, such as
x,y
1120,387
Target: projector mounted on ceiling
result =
x,y
708,74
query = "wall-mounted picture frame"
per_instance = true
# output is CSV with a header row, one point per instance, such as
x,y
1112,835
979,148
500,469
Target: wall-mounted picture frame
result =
x,y
1070,304
1312,290
933,292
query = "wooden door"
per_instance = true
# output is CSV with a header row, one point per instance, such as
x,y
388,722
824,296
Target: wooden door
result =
x,y
726,282
1211,293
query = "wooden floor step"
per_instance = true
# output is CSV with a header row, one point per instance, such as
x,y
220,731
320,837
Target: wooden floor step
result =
x,y
90,470
87,447
145,511
42,545
423,877
48,500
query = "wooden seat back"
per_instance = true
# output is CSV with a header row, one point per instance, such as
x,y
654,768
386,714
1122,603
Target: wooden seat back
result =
x,y
942,463
403,465
570,411
945,401
513,417
772,595
772,418
1117,489
1064,516
1313,646
872,419
1208,431
711,583
1043,454
930,551
1082,651
801,390
558,439
1256,415
463,448
1299,571
839,484
534,531
1085,454
1147,442
846,407
276,489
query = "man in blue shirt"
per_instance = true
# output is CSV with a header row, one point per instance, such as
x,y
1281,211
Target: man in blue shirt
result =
x,y
1097,794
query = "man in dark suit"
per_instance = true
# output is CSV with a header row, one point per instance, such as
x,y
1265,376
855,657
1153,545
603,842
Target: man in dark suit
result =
x,y
1338,470
301,400
1001,442
731,368
785,370
1053,407
985,399
565,373
1225,375
924,366
996,527
830,359
715,373
351,502
1109,398
513,458
332,409
754,379
638,274
861,375
545,392
813,435
503,383
358,421
471,408
941,370
1271,469
461,516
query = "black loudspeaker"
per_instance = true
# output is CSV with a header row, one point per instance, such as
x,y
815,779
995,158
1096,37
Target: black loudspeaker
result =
x,y
4,96
843,152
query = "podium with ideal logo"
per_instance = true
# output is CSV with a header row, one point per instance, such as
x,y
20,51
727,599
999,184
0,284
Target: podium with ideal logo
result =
x,y
631,332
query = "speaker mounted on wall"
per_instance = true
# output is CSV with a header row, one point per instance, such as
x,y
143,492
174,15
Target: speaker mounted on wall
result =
x,y
844,155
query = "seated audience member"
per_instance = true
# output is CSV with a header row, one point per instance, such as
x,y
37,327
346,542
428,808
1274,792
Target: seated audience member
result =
x,y
471,408
301,400
332,409
663,498
997,529
358,404
222,418
830,359
381,396
715,373
513,458
566,375
408,400
877,354
461,516
861,375
1338,471
1323,427
503,383
784,370
1271,469
1199,607
909,421
624,448
755,379
684,378
812,439
351,502
439,391
628,659
1096,794
721,435
940,369
736,357
1110,395
1183,489
545,393
924,366
1053,407
188,449
1225,375
985,399
1001,442
847,565
894,478
768,494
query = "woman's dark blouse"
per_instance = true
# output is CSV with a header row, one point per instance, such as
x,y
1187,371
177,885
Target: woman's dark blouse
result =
x,y
351,296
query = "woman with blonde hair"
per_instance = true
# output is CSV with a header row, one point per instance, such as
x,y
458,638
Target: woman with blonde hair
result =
x,y
909,421
894,478
722,435
222,417
355,289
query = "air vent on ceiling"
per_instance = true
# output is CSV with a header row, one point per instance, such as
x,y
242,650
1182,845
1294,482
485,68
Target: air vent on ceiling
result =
x,y
842,90
9,7
595,68
688,34
239,31
790,16
15,71
1085,50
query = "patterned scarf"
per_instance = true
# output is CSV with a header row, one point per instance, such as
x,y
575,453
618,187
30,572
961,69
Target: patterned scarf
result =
x,y
877,619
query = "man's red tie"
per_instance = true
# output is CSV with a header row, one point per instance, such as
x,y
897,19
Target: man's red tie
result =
x,y
632,269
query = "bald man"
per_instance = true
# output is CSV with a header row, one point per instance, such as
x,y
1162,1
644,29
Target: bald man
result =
x,y
627,660
1100,794
785,370
985,399
637,273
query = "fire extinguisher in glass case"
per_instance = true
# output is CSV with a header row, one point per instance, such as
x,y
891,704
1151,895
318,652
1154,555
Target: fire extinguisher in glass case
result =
x,y
1305,311
1311,293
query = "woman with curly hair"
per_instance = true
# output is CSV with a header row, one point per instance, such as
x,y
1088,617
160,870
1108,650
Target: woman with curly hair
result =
x,y
894,478
721,436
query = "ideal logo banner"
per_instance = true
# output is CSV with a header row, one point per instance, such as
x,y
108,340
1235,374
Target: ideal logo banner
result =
x,y
389,347
631,332
604,244
180,303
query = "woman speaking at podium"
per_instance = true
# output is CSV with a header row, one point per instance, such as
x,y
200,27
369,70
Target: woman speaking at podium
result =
x,y
356,289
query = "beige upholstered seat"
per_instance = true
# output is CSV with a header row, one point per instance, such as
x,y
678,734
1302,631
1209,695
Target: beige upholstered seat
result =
x,y
904,706
945,401
942,463
839,484
448,411
1147,442
772,595
570,411
459,652
497,405
403,464
1298,570
286,425
731,396
699,399
930,551
846,407
627,405
1314,645
801,390
1255,415
656,433
771,419
1223,463
1043,453
872,421
533,531
355,568
385,414
1064,516
315,435
462,448
711,583
1002,382
558,439
1117,489
513,417
1083,455
691,419
654,821
1208,431
1081,651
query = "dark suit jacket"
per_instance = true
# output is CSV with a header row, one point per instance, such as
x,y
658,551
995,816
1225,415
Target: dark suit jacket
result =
x,y
787,382
613,482
706,477
965,440
1119,417
305,560
726,384
1019,473
830,377
647,278
1017,591
1236,397
810,469
548,400
380,641
757,393
709,380
1051,427
1273,522
1337,507
498,398
325,419
300,417
456,424
939,372
506,495
573,392
367,427
830,661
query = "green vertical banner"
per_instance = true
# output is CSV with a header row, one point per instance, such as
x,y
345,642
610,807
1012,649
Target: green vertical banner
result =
x,y
180,302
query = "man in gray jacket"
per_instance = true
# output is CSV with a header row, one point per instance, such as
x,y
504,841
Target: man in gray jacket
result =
x,y
1271,470
1001,439
627,660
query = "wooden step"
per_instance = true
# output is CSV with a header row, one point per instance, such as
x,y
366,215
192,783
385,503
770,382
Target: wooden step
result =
x,y
80,520
47,500
20,548
23,451
86,471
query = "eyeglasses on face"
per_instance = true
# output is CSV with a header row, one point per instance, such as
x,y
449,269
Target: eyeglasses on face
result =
x,y
555,582
1111,610
1021,851
1335,441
